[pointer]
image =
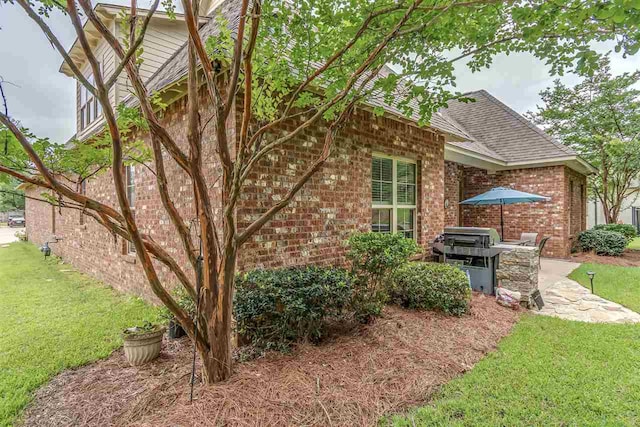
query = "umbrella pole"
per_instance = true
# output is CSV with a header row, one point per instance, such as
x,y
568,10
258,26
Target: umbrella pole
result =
x,y
501,220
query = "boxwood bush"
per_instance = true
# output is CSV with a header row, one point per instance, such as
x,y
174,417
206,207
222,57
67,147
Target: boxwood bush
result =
x,y
627,230
602,242
431,286
373,257
274,308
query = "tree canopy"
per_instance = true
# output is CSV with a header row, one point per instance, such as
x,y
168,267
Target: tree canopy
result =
x,y
308,62
600,119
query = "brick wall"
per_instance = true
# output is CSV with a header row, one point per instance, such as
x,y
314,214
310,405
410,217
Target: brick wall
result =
x,y
91,249
337,200
576,201
561,218
453,180
335,203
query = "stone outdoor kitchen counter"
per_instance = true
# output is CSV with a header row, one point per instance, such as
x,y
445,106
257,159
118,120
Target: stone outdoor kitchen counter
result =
x,y
518,270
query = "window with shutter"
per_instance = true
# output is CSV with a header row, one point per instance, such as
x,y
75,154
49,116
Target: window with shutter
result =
x,y
393,195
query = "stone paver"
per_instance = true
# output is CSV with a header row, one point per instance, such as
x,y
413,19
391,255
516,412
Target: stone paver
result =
x,y
569,300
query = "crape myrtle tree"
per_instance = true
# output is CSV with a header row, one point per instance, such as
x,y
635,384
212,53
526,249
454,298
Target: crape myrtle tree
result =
x,y
314,60
600,119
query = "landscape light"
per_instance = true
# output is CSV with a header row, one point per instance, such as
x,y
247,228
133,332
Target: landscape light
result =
x,y
591,274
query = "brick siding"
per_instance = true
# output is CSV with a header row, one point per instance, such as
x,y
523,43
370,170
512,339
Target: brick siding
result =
x,y
334,204
453,181
337,200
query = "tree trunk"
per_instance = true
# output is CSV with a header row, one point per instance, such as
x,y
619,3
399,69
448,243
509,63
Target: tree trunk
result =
x,y
217,362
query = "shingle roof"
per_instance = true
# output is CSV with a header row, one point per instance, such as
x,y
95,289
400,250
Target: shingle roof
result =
x,y
500,129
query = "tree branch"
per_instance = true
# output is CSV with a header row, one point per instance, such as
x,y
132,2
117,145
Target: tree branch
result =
x,y
56,43
237,58
155,128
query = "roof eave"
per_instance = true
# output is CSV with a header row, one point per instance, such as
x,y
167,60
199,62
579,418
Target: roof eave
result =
x,y
576,163
471,158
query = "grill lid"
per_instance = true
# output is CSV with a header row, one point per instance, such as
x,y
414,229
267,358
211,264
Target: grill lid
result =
x,y
493,235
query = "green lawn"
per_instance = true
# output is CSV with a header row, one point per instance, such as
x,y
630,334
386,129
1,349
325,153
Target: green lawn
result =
x,y
53,320
549,372
617,284
635,244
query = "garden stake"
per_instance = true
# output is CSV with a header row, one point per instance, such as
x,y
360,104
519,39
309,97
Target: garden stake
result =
x,y
195,321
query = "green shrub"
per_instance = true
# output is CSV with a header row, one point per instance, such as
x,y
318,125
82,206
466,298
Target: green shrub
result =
x,y
627,230
602,242
373,257
274,308
422,285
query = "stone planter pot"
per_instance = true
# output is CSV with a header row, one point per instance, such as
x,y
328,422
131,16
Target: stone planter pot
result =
x,y
142,347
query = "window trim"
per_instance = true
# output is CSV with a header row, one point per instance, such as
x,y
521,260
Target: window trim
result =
x,y
394,206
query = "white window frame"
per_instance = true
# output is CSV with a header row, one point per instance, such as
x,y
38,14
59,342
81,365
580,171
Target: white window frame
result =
x,y
394,206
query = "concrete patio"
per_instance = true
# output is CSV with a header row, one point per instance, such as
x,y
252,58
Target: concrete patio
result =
x,y
567,299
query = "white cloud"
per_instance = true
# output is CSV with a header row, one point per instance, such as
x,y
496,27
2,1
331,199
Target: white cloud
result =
x,y
517,79
42,98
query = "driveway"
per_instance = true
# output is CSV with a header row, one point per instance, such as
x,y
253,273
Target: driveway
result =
x,y
7,234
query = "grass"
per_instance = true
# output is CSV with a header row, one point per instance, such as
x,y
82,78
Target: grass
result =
x,y
634,244
53,320
548,372
617,284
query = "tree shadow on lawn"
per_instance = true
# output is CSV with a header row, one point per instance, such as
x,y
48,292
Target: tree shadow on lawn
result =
x,y
352,378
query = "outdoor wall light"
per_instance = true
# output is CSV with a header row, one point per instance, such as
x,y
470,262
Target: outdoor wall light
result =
x,y
45,249
591,275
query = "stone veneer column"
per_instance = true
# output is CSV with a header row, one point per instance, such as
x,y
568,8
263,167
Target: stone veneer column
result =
x,y
518,271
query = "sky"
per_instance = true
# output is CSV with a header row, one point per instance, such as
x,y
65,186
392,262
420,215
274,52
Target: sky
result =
x,y
43,99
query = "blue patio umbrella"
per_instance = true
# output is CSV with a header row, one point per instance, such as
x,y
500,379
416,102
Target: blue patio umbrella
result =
x,y
503,196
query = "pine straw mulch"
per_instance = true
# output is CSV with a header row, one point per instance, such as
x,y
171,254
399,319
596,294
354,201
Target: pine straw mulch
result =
x,y
629,258
352,379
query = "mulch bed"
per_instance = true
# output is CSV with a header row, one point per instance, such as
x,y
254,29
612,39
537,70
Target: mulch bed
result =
x,y
629,258
353,378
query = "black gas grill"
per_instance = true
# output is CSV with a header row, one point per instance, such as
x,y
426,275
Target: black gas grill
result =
x,y
472,250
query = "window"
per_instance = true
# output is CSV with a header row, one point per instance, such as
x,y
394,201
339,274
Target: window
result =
x,y
90,108
393,195
130,176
